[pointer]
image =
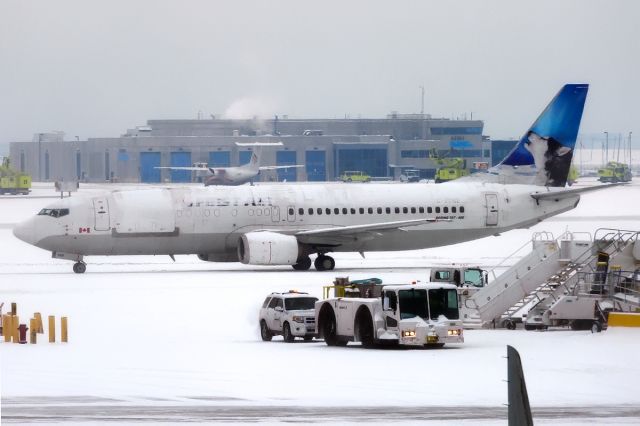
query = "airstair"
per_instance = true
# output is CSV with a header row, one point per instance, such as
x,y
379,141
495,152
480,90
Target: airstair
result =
x,y
548,272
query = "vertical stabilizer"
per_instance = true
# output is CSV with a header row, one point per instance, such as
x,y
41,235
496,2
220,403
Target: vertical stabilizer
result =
x,y
543,155
519,409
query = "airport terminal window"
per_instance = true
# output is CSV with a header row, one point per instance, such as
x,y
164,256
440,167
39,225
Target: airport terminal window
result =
x,y
53,212
420,209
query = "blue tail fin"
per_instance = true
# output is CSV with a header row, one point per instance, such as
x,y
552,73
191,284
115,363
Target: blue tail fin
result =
x,y
543,155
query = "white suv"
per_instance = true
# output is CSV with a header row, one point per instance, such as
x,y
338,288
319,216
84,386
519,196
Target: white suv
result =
x,y
290,314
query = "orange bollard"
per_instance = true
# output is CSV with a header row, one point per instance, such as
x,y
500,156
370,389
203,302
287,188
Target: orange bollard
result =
x,y
33,326
52,329
63,330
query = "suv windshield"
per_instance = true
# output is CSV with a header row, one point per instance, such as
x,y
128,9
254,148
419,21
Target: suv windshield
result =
x,y
443,302
413,303
300,303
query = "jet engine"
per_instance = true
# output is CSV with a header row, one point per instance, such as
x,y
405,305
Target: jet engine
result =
x,y
268,248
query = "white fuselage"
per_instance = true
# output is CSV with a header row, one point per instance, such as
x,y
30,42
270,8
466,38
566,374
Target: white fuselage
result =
x,y
210,220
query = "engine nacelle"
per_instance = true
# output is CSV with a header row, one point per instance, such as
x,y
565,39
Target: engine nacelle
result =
x,y
268,248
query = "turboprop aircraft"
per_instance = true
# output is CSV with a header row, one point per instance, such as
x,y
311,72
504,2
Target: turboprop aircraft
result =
x,y
235,175
285,224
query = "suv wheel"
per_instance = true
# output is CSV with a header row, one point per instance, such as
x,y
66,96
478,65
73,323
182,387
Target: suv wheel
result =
x,y
286,333
265,333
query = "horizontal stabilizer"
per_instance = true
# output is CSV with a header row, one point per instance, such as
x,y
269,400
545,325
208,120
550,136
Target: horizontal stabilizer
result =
x,y
568,193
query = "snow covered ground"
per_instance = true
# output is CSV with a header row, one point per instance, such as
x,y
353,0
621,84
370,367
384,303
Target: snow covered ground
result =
x,y
155,340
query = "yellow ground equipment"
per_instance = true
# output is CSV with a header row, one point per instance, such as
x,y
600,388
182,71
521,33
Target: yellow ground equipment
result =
x,y
614,172
450,168
12,182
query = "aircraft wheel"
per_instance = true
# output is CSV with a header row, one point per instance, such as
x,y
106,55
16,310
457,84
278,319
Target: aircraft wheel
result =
x,y
265,333
79,267
324,263
303,265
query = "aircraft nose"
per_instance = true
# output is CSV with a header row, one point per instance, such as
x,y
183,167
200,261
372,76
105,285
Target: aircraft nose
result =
x,y
25,231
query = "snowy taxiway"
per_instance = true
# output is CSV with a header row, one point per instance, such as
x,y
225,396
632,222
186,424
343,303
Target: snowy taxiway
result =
x,y
154,340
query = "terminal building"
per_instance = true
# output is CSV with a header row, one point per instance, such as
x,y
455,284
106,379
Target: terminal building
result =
x,y
382,148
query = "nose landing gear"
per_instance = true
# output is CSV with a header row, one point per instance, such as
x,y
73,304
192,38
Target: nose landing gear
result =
x,y
79,267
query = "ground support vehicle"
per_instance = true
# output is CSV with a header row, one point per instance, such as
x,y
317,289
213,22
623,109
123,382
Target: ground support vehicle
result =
x,y
410,175
355,176
614,172
12,182
407,315
288,314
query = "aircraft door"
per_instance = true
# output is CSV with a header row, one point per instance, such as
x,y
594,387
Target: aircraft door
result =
x,y
492,209
275,214
291,214
101,211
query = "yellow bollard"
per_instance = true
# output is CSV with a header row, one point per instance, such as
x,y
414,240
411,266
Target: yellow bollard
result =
x,y
39,327
63,329
6,328
14,308
33,330
15,323
52,329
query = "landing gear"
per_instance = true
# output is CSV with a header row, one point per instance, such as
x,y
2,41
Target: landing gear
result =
x,y
79,267
324,263
303,265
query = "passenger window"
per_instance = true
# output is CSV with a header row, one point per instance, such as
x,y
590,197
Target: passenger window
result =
x,y
453,209
429,210
437,209
413,210
327,210
300,211
379,210
266,302
397,209
291,211
405,210
388,210
273,303
344,210
370,210
420,209
336,211
445,209
310,211
361,209
279,303
353,211
319,210
461,209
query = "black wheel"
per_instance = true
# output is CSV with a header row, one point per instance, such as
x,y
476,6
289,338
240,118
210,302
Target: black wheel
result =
x,y
530,327
79,267
308,338
303,265
286,333
364,325
324,263
510,325
596,327
327,326
265,333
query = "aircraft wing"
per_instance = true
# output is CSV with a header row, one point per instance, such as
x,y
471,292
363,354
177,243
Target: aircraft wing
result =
x,y
193,169
340,234
568,193
279,167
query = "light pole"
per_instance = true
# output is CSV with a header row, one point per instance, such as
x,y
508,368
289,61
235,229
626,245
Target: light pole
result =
x,y
606,152
39,157
630,150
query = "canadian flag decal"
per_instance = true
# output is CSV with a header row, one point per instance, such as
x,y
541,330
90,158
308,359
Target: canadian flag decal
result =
x,y
85,230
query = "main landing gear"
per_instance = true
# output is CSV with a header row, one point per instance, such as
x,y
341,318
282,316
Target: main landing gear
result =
x,y
79,267
322,263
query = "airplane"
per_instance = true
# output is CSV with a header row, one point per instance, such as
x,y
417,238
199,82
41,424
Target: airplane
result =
x,y
285,224
234,175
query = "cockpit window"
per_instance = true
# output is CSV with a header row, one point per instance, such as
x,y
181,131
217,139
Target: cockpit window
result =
x,y
54,212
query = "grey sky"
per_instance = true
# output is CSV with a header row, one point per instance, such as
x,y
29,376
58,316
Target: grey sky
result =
x,y
97,68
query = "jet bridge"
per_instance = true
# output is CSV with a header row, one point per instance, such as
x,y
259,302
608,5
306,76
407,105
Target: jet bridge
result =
x,y
549,270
